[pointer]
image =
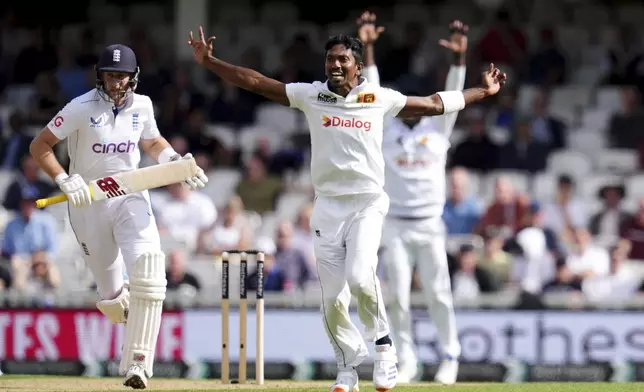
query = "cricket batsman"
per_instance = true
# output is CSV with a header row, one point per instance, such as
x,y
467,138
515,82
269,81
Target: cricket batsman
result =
x,y
345,116
415,153
105,128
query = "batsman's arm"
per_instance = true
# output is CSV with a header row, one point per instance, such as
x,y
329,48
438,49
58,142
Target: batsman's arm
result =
x,y
249,79
158,148
42,150
65,123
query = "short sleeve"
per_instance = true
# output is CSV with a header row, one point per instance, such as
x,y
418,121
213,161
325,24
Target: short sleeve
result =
x,y
297,94
393,101
150,128
66,121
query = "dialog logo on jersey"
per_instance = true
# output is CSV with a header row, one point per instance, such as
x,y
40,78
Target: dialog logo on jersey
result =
x,y
352,122
113,148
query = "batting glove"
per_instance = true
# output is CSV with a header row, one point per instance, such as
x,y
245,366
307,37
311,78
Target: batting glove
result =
x,y
75,188
199,180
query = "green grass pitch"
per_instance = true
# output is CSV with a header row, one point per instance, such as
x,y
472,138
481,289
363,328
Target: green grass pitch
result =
x,y
49,384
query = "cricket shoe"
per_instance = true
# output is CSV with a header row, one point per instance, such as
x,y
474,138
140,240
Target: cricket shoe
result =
x,y
447,371
135,378
385,372
346,381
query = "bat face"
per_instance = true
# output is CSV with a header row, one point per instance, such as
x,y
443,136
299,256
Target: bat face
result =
x,y
124,183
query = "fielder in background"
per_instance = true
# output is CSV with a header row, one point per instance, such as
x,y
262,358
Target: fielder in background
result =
x,y
415,153
345,116
105,128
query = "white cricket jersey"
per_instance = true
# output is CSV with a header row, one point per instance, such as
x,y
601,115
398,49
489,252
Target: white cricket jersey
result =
x,y
346,135
101,139
416,158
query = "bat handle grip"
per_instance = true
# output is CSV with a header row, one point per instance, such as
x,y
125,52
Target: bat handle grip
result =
x,y
42,203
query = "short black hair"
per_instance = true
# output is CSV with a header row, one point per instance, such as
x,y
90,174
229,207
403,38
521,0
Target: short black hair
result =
x,y
356,46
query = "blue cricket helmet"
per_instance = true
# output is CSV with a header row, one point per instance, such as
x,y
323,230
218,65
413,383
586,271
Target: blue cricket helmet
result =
x,y
117,58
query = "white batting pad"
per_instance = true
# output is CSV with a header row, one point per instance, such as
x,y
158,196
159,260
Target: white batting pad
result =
x,y
147,292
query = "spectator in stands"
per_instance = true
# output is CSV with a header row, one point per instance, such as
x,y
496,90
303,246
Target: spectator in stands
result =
x,y
70,76
259,190
532,264
400,59
184,214
633,231
16,146
179,279
476,152
47,101
291,261
535,219
39,56
586,259
302,235
505,112
179,98
507,211
564,279
87,57
566,212
606,223
625,126
38,275
545,128
274,279
625,58
6,277
232,106
231,231
496,261
468,279
523,152
620,284
462,210
547,65
503,43
28,178
194,131
31,231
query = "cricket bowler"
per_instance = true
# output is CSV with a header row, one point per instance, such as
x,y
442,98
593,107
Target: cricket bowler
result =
x,y
105,128
345,116
415,153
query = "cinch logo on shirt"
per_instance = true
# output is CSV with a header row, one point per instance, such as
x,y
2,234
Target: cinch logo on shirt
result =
x,y
114,148
345,123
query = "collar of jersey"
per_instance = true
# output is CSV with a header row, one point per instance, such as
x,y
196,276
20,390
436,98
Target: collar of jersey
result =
x,y
363,82
128,102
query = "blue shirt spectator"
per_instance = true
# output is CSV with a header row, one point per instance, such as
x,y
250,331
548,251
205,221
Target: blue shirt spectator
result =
x,y
30,231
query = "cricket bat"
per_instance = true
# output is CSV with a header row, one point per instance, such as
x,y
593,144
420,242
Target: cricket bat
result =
x,y
133,181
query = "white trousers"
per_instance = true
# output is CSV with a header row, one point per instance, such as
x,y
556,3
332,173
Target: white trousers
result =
x,y
346,238
421,244
113,234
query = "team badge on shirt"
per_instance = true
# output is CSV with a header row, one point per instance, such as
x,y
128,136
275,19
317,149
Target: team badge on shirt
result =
x,y
366,98
135,122
98,121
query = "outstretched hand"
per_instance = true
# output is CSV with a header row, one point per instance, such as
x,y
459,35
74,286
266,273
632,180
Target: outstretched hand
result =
x,y
368,32
493,79
202,47
457,41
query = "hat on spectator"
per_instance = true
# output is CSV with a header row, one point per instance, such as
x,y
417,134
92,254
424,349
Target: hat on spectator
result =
x,y
620,188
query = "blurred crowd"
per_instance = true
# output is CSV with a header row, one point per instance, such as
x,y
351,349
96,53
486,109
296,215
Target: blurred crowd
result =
x,y
514,217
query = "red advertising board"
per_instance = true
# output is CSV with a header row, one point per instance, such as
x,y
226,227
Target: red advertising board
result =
x,y
77,335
